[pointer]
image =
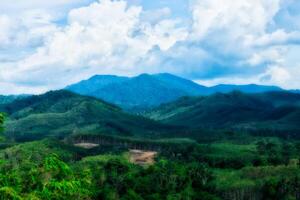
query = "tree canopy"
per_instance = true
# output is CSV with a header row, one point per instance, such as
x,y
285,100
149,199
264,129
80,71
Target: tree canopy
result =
x,y
1,121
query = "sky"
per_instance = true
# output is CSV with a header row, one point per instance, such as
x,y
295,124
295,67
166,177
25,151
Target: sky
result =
x,y
47,45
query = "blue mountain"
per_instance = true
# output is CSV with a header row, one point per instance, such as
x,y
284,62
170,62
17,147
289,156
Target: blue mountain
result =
x,y
142,91
90,86
146,91
251,88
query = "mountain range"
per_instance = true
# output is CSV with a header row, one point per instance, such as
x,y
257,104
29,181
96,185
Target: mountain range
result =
x,y
175,106
148,91
62,113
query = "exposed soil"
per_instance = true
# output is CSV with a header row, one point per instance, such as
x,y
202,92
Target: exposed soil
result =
x,y
86,145
140,157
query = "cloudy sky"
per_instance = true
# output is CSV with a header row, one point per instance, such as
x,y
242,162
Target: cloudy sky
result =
x,y
50,44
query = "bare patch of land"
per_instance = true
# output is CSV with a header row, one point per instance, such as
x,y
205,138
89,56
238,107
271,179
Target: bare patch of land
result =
x,y
142,157
86,145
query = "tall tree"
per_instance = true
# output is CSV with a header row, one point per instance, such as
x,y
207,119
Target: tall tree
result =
x,y
1,126
1,122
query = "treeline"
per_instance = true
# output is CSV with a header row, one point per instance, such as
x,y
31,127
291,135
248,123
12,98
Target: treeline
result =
x,y
265,152
160,145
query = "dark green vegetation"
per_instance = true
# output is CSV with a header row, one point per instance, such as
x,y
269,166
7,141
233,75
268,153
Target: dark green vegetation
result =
x,y
146,91
46,170
272,113
1,122
251,88
62,113
266,168
225,146
10,98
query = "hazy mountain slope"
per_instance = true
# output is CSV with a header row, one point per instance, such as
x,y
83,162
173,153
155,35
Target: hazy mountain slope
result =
x,y
190,87
146,90
141,91
90,86
231,110
6,99
61,113
10,98
215,109
280,98
251,88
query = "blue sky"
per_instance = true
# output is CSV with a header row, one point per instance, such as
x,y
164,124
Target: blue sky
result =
x,y
49,44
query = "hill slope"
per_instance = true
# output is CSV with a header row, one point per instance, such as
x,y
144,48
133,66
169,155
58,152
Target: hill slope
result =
x,y
61,113
90,86
251,88
236,109
10,98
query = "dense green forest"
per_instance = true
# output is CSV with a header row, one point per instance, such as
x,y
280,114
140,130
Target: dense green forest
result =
x,y
40,157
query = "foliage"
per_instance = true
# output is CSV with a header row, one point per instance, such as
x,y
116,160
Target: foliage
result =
x,y
100,177
2,118
266,114
1,122
214,159
49,169
62,113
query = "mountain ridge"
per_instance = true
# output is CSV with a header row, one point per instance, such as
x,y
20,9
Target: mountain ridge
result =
x,y
151,90
233,110
62,113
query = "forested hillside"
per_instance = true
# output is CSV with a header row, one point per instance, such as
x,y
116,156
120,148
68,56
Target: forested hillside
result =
x,y
61,113
62,145
263,112
10,98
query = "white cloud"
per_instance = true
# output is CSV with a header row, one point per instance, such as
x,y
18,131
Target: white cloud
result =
x,y
26,30
237,19
245,33
15,8
266,56
48,45
156,15
274,75
6,29
104,37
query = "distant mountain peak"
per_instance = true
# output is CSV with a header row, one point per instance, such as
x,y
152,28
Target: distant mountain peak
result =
x,y
148,90
144,75
104,76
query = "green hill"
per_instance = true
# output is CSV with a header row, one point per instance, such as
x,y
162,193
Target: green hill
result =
x,y
277,111
61,113
10,98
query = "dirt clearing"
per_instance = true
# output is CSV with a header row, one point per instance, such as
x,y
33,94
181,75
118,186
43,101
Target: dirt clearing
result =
x,y
140,157
86,145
